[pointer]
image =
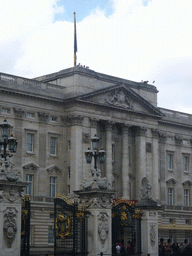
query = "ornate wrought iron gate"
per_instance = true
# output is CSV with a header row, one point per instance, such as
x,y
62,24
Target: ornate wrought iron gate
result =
x,y
25,226
70,228
126,226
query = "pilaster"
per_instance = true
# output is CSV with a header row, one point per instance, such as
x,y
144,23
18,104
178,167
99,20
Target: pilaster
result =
x,y
155,164
162,167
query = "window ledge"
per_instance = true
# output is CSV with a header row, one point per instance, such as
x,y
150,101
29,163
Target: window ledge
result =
x,y
30,153
53,156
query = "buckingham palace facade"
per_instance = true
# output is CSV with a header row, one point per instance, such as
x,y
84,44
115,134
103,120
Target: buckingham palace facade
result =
x,y
54,117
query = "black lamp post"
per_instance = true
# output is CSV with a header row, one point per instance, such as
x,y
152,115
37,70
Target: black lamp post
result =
x,y
95,153
7,141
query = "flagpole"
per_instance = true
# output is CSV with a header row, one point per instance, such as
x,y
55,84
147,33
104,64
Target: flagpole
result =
x,y
75,41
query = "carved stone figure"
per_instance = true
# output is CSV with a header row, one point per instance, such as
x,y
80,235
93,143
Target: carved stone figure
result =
x,y
96,181
7,170
146,189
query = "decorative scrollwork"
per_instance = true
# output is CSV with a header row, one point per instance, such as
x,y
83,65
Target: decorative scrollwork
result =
x,y
63,224
10,226
103,227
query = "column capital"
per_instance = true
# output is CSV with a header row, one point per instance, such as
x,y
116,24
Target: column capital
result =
x,y
162,137
155,133
178,140
109,125
125,128
140,131
93,122
73,119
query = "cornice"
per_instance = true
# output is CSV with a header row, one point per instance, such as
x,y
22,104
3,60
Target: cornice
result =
x,y
114,108
181,125
12,91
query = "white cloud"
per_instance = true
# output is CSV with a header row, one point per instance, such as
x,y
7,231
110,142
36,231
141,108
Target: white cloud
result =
x,y
141,40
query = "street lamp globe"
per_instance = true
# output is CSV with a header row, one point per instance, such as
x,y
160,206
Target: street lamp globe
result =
x,y
88,155
12,144
102,156
95,142
5,128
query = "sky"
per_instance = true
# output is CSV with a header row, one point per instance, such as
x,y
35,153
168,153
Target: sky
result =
x,y
147,40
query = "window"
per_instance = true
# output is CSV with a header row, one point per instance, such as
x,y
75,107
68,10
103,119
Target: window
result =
x,y
53,143
50,235
52,187
69,145
30,138
69,172
53,119
170,196
188,222
113,152
69,189
5,110
186,163
172,221
186,197
51,215
30,115
170,161
29,187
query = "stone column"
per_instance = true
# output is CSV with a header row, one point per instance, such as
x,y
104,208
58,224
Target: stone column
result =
x,y
155,165
99,204
10,217
76,151
125,163
109,166
140,145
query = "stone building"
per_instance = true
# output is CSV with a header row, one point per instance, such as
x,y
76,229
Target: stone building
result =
x,y
54,117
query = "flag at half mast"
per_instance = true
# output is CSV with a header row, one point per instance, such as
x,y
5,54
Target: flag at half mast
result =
x,y
75,41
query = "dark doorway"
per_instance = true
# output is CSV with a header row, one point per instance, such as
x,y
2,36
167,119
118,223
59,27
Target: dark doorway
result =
x,y
126,227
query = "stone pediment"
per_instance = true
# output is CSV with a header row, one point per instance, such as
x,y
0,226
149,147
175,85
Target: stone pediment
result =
x,y
54,169
31,167
120,97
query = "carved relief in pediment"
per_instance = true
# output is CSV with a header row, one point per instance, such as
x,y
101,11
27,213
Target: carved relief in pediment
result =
x,y
187,184
118,98
31,167
171,182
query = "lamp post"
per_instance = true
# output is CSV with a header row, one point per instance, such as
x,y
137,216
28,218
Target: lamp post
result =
x,y
95,153
7,141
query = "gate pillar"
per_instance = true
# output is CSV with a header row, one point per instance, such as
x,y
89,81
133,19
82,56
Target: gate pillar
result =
x,y
149,221
10,217
99,204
